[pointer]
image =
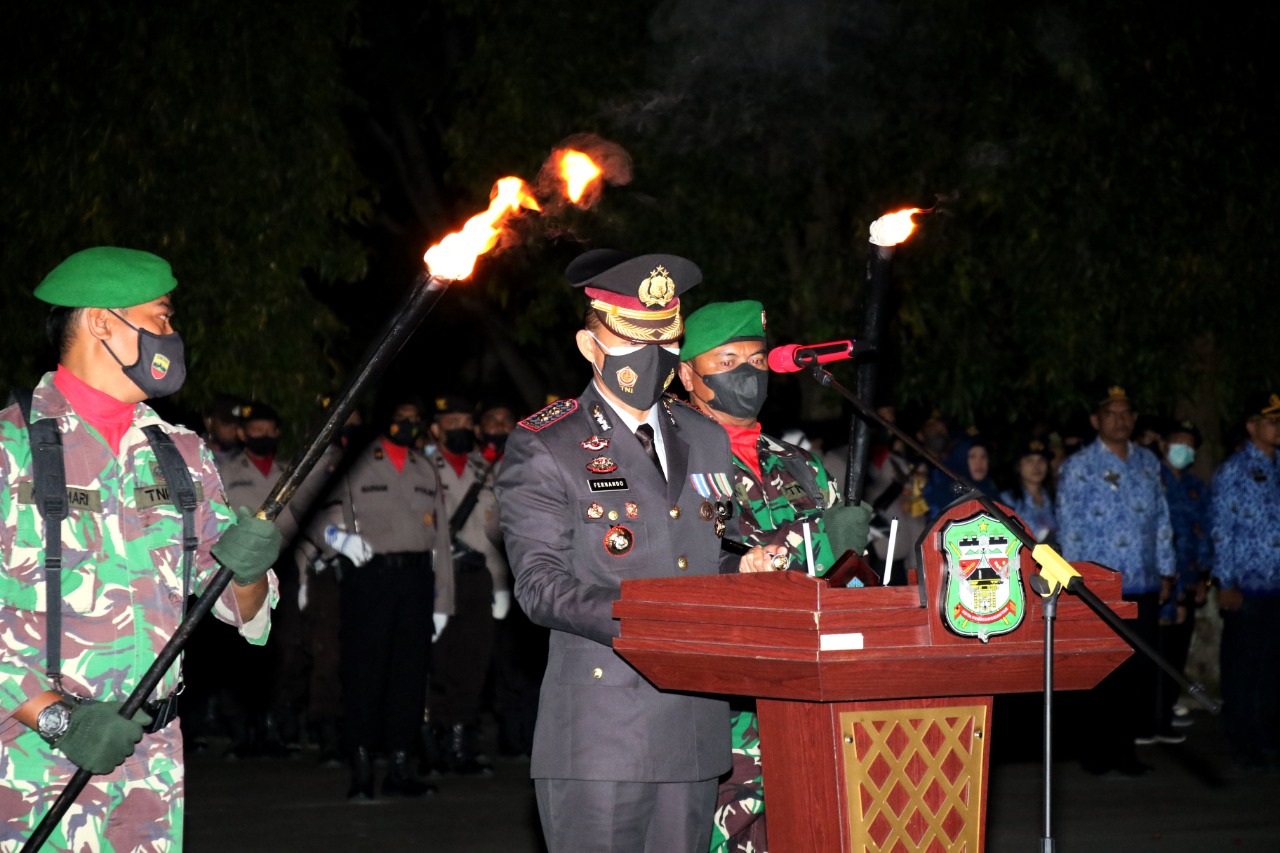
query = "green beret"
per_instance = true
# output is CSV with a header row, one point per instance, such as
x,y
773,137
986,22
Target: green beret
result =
x,y
719,323
107,277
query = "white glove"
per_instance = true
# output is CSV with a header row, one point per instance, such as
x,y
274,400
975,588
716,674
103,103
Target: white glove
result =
x,y
440,619
302,596
501,603
350,545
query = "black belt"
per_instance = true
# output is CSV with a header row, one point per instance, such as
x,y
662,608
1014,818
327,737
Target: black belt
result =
x,y
406,559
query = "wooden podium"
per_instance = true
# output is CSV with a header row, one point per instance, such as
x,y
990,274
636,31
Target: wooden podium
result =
x,y
874,714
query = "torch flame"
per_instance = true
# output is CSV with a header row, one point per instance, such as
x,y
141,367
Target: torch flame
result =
x,y
455,256
893,228
569,174
578,171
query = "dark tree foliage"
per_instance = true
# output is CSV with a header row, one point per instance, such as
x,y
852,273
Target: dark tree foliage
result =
x,y
1103,184
1103,181
210,134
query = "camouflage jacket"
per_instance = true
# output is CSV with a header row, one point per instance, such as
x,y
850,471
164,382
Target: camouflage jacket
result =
x,y
795,489
122,562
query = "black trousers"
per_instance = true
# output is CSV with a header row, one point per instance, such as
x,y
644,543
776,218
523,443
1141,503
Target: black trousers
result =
x,y
1125,704
461,653
1251,677
386,650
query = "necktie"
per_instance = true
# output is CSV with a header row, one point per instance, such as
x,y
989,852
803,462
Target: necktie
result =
x,y
644,433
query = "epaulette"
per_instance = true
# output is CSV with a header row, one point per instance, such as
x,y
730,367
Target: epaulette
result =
x,y
540,420
671,398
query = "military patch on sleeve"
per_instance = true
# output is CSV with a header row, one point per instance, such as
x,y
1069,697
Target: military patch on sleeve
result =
x,y
545,418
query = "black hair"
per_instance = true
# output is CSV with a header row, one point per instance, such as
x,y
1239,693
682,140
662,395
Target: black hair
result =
x,y
60,327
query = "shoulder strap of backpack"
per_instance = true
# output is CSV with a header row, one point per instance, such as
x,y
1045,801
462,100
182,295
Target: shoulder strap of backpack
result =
x,y
49,482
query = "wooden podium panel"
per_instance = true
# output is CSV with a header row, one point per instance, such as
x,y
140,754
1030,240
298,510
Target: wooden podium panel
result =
x,y
874,715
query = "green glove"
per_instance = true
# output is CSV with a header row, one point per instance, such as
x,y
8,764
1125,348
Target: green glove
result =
x,y
98,738
848,527
249,547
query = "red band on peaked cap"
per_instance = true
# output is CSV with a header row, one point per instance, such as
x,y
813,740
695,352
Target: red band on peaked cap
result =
x,y
616,278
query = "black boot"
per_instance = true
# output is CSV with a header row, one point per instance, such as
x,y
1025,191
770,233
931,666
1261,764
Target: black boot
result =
x,y
434,754
460,758
327,736
401,780
361,776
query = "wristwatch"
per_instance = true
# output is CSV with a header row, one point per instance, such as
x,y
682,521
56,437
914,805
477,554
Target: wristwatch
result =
x,y
52,721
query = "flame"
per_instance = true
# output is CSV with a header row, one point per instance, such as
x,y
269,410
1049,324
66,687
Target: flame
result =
x,y
569,174
455,256
896,227
578,171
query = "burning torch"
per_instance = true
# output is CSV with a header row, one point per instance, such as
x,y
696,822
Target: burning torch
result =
x,y
887,233
573,174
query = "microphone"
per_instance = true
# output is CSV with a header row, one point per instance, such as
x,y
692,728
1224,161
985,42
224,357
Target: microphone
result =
x,y
793,358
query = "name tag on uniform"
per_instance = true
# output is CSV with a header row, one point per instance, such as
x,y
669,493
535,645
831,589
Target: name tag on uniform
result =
x,y
146,497
612,484
376,488
81,499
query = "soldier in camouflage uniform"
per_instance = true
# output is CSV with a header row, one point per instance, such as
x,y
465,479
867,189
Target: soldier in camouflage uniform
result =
x,y
778,488
122,566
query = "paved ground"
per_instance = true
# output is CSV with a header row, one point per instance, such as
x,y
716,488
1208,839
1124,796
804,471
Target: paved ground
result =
x,y
1193,801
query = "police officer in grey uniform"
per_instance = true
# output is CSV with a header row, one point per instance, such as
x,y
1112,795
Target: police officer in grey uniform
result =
x,y
389,520
593,491
460,658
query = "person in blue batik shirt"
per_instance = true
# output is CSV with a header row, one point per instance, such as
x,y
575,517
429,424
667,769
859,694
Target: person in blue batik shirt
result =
x,y
1188,499
1112,511
1246,540
1032,495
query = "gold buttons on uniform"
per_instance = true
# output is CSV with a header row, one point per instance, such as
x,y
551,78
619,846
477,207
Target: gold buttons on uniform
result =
x,y
682,564
597,673
674,512
613,515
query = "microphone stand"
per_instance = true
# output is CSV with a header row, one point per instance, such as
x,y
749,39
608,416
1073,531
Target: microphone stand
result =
x,y
1055,575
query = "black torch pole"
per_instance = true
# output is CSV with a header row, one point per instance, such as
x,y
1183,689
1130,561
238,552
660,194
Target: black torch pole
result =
x,y
422,297
879,271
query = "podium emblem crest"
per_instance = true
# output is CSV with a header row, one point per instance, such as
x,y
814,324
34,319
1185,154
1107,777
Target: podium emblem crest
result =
x,y
982,593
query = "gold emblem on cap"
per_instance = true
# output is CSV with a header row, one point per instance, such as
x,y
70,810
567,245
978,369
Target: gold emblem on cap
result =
x,y
658,288
1115,392
1036,445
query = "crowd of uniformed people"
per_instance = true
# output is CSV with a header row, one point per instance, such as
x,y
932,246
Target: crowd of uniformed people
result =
x,y
450,557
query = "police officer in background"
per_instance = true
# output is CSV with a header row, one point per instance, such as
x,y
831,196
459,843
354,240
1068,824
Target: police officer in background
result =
x,y
389,519
594,490
481,592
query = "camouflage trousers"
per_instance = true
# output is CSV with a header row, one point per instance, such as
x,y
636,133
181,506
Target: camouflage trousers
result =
x,y
739,818
137,808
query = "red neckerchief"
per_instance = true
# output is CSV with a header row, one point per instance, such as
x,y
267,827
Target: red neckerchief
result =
x,y
745,444
262,463
490,454
396,453
457,461
109,416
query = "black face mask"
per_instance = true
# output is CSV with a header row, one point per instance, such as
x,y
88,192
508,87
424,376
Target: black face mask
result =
x,y
161,367
459,441
262,445
498,441
403,432
739,393
639,378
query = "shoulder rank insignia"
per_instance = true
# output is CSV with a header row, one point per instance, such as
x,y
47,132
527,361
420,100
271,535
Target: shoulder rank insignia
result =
x,y
546,417
602,465
595,444
598,413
